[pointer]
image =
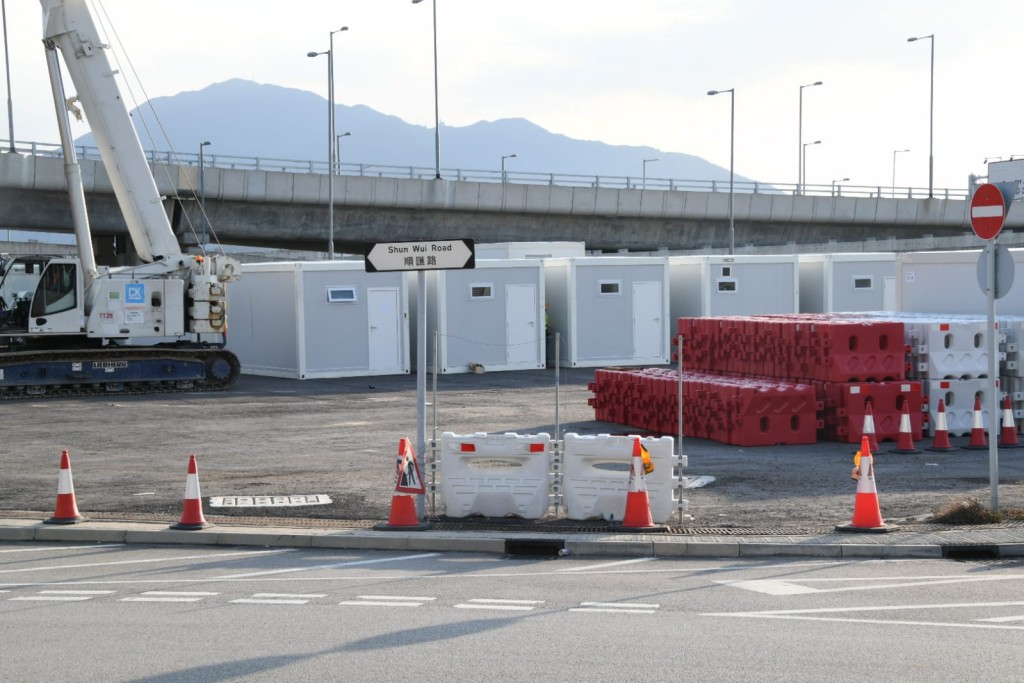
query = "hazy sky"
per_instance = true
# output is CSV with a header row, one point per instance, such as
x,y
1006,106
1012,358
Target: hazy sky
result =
x,y
621,72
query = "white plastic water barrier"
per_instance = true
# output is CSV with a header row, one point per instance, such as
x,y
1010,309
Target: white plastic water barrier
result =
x,y
495,475
595,476
958,395
950,350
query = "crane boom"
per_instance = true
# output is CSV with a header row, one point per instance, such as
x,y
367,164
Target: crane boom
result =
x,y
69,27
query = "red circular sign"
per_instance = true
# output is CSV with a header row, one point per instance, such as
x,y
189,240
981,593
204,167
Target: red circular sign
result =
x,y
988,211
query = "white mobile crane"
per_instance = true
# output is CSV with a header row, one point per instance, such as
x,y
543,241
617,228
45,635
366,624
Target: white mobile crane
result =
x,y
68,326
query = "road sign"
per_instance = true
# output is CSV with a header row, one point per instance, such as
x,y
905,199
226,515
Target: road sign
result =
x,y
433,255
1004,271
988,209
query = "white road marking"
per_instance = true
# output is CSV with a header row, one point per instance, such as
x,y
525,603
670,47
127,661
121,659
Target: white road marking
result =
x,y
169,596
615,608
1000,620
774,587
63,547
336,565
770,587
813,615
148,561
279,599
508,605
387,601
607,564
62,596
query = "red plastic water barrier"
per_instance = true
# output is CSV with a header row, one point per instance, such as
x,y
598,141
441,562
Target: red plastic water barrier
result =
x,y
845,406
737,411
796,347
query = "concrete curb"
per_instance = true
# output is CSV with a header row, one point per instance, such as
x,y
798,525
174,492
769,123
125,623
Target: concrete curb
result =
x,y
620,545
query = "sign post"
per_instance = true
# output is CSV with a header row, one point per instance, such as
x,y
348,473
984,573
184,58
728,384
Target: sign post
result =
x,y
420,256
988,213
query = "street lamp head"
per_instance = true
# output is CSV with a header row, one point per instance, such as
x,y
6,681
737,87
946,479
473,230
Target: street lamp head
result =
x,y
204,143
712,92
315,54
343,28
345,134
816,83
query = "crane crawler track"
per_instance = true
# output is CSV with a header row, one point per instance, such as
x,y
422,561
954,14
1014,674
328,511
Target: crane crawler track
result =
x,y
221,370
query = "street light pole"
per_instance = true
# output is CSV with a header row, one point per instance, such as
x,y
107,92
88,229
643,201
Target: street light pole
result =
x,y
803,158
7,62
894,153
505,156
838,180
330,138
931,113
800,139
732,147
647,161
202,192
437,115
337,139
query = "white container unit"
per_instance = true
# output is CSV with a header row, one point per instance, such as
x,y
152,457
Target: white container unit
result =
x,y
608,310
947,282
490,317
706,286
837,283
318,319
518,250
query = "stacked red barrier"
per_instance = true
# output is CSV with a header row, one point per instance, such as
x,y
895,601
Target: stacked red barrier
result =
x,y
745,376
796,347
734,410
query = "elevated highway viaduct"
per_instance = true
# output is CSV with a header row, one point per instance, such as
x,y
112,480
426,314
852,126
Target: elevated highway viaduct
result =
x,y
288,210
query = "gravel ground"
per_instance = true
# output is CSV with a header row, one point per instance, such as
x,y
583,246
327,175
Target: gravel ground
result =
x,y
338,437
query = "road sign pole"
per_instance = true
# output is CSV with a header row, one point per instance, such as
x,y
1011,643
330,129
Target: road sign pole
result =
x,y
993,376
421,380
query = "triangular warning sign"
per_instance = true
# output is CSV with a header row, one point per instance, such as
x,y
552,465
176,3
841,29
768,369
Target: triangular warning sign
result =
x,y
409,479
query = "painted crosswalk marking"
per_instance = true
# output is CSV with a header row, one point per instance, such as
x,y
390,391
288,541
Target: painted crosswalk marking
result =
x,y
388,601
508,605
279,599
61,596
169,596
616,607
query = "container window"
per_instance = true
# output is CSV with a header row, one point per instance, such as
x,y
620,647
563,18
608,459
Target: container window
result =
x,y
481,291
609,287
726,271
863,282
341,295
727,285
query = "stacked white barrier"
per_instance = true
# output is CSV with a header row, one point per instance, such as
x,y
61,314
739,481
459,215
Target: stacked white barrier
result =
x,y
951,349
595,476
958,395
495,475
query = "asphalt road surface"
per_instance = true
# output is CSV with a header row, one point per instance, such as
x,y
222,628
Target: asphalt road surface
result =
x,y
339,438
99,612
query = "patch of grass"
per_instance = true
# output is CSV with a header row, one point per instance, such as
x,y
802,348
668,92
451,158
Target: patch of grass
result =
x,y
969,512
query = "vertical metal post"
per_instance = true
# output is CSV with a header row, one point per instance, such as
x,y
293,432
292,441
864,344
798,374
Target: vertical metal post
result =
x,y
732,149
421,376
433,442
679,399
931,121
993,382
558,423
330,150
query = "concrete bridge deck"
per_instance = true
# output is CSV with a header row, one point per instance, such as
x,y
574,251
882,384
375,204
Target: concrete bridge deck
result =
x,y
281,209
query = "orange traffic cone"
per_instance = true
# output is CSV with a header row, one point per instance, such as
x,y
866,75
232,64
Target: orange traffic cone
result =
x,y
867,517
192,515
403,515
978,440
66,511
638,505
940,442
905,443
869,425
1008,434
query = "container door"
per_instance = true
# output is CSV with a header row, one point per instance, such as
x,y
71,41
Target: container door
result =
x,y
383,316
888,293
522,337
647,324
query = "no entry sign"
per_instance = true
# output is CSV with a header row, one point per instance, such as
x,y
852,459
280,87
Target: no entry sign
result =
x,y
988,210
